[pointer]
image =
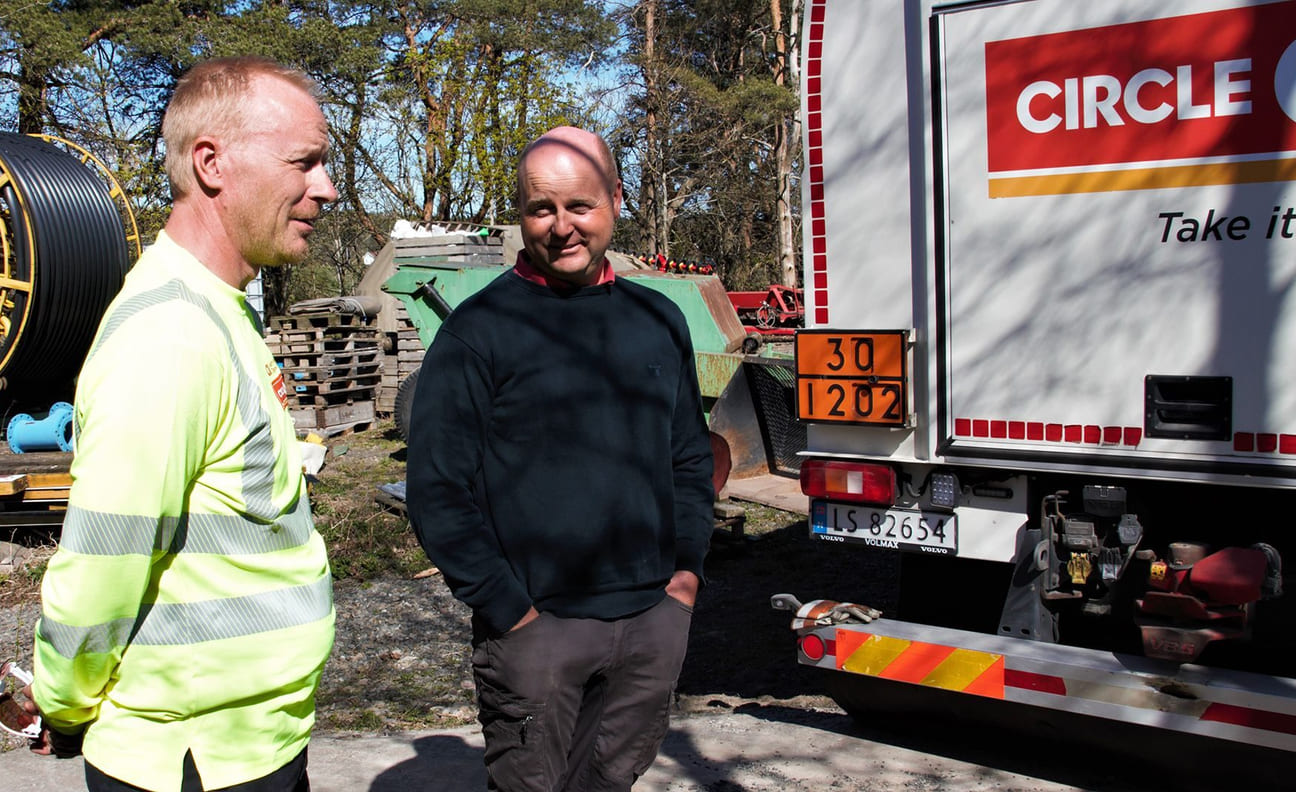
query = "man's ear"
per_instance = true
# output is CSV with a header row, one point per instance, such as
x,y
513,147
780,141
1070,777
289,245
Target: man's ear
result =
x,y
207,164
616,200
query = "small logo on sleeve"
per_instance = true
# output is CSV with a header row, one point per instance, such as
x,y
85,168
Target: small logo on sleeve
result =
x,y
277,384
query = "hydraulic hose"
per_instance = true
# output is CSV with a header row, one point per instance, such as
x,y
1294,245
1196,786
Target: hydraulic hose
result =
x,y
65,255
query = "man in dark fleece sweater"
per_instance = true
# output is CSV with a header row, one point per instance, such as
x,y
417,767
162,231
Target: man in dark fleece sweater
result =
x,y
559,474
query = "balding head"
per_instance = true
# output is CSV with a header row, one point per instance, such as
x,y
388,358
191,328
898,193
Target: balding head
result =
x,y
568,198
578,142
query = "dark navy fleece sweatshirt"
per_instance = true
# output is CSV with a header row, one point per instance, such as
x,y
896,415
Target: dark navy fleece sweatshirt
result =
x,y
558,456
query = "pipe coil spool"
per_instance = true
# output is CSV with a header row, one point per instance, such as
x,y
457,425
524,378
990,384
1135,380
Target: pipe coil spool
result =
x,y
51,433
64,252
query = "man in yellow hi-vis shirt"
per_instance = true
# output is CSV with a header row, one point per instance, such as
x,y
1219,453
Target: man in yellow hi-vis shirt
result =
x,y
188,611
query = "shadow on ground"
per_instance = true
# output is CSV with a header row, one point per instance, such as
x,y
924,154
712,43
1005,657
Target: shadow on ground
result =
x,y
741,647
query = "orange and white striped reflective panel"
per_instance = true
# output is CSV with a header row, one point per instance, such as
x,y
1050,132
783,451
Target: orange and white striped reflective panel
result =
x,y
963,670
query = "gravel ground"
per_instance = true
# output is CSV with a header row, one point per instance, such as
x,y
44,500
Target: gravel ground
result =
x,y
400,666
400,660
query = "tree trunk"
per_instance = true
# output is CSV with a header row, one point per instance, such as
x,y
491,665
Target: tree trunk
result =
x,y
653,176
785,138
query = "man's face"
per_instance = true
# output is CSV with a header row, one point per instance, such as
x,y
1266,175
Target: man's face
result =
x,y
277,183
568,210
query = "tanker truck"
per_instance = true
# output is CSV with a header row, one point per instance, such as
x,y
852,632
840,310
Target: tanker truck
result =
x,y
1048,372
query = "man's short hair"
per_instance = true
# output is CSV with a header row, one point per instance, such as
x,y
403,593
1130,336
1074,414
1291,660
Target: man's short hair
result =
x,y
211,99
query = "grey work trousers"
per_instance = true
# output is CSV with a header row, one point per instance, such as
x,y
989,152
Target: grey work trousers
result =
x,y
579,705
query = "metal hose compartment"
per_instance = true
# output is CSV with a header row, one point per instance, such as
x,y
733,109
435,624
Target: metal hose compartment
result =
x,y
65,256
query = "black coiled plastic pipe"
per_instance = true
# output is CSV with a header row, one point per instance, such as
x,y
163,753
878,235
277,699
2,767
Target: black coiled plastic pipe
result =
x,y
67,257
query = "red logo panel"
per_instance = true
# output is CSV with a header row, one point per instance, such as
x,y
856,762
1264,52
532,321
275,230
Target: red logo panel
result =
x,y
1218,84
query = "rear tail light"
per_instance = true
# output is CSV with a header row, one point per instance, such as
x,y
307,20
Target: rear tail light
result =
x,y
812,646
848,481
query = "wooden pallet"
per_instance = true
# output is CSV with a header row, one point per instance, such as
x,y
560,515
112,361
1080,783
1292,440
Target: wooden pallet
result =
x,y
332,419
331,372
302,344
315,321
339,391
33,487
355,357
331,363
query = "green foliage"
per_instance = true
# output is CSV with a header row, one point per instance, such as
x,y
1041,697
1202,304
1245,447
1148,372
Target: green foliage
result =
x,y
430,104
701,135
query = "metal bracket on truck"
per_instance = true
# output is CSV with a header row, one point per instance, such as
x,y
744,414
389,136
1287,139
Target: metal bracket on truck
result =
x,y
1230,705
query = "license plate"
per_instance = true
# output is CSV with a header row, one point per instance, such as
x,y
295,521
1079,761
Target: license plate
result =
x,y
909,530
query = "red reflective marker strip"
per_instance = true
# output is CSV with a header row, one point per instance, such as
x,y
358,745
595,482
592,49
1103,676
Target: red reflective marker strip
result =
x,y
1042,683
916,662
1090,434
990,683
1251,718
848,641
814,157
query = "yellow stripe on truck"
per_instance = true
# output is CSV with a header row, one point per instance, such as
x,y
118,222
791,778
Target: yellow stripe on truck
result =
x,y
1161,177
933,665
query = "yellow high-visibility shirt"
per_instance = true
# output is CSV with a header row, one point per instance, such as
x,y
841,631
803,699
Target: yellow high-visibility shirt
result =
x,y
189,606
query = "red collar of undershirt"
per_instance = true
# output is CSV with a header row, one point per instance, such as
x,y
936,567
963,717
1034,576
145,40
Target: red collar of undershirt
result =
x,y
527,270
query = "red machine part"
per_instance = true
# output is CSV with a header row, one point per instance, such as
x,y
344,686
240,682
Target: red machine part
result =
x,y
777,309
1193,604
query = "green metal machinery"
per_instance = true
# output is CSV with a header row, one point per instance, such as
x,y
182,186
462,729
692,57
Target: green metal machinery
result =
x,y
433,275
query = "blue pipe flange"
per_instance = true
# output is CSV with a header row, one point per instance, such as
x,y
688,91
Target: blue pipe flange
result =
x,y
51,433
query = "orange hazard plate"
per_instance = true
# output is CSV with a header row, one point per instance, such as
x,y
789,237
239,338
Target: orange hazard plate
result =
x,y
853,376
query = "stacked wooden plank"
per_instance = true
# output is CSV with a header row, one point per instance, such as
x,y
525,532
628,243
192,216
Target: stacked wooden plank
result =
x,y
466,250
33,487
402,353
332,366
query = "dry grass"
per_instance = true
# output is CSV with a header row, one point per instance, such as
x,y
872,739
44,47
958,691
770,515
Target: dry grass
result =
x,y
23,586
365,539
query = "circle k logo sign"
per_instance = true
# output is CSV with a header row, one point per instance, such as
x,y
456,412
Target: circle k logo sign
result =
x,y
1210,88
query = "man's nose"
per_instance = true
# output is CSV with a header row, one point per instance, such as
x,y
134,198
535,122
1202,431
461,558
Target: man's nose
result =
x,y
322,188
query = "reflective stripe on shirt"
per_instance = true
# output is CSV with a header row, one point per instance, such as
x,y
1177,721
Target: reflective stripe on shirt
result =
x,y
183,623
99,533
